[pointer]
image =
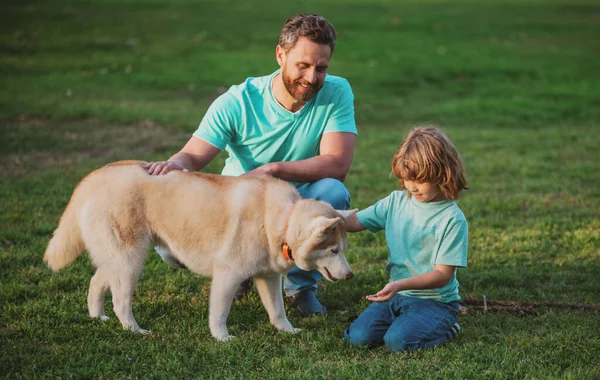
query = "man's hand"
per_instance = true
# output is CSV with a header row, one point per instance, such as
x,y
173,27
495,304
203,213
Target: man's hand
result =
x,y
269,169
162,167
386,293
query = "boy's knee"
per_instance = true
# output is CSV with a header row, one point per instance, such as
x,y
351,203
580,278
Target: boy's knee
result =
x,y
358,337
330,190
401,342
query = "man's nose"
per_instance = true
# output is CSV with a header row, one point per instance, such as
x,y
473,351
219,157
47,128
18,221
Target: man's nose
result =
x,y
311,76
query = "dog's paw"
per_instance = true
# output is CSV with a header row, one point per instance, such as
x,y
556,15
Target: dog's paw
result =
x,y
225,338
290,330
139,330
100,317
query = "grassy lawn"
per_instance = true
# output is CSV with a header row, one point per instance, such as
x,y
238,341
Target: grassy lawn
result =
x,y
515,84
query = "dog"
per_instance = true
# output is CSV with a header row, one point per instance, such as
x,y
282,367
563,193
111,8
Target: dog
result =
x,y
228,228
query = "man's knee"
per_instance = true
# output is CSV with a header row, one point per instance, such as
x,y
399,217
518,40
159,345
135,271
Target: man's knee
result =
x,y
329,190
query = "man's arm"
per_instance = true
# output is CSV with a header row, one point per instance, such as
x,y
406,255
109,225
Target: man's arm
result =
x,y
194,156
436,278
336,153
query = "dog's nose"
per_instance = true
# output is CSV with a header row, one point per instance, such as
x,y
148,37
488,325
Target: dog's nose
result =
x,y
349,276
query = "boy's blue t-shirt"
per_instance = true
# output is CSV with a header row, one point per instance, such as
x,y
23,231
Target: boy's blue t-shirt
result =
x,y
419,236
255,129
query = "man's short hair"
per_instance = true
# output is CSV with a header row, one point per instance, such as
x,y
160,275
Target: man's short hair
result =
x,y
314,27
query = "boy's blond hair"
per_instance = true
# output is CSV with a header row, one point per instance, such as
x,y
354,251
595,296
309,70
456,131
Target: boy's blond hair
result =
x,y
428,155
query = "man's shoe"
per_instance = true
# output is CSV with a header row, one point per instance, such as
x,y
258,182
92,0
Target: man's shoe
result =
x,y
306,303
243,290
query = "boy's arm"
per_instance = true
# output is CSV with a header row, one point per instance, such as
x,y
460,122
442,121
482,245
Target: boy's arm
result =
x,y
353,225
436,278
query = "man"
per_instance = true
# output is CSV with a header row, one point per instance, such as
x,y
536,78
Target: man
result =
x,y
296,124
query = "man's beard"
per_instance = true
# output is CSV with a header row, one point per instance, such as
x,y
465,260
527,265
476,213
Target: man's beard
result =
x,y
301,94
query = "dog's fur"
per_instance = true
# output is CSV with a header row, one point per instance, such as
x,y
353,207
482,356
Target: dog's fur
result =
x,y
230,228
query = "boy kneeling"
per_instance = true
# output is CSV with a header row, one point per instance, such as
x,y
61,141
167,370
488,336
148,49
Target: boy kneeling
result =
x,y
427,235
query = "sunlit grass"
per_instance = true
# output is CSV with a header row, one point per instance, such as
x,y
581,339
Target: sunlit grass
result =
x,y
514,84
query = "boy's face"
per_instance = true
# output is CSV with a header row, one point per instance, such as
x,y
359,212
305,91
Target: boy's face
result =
x,y
303,68
425,191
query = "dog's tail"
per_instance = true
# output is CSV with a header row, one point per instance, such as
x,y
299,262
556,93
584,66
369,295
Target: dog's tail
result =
x,y
66,243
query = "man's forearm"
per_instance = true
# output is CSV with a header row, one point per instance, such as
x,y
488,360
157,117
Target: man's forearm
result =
x,y
195,155
184,160
312,169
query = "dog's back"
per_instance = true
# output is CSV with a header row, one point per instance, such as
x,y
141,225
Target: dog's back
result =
x,y
212,216
195,216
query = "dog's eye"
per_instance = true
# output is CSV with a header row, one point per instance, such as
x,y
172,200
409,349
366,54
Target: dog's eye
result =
x,y
335,251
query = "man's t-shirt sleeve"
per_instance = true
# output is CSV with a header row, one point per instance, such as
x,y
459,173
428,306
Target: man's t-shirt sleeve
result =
x,y
219,123
342,116
374,217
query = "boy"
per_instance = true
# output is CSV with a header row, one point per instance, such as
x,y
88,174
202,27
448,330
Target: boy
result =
x,y
427,235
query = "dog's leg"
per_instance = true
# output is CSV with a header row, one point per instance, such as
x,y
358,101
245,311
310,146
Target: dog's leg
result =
x,y
269,289
122,291
124,276
222,291
98,288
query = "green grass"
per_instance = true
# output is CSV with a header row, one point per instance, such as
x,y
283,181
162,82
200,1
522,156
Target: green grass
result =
x,y
515,84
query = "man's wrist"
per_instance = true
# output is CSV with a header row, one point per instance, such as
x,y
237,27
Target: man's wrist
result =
x,y
273,169
176,164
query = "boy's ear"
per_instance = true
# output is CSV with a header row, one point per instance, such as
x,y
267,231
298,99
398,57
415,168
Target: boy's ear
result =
x,y
346,213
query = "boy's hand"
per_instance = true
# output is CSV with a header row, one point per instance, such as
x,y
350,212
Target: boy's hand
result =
x,y
386,293
353,225
436,278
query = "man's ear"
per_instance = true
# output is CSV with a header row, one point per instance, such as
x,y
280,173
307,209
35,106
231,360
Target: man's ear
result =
x,y
346,213
280,55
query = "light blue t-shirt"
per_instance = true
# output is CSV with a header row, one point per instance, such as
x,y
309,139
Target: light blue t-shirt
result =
x,y
420,235
255,129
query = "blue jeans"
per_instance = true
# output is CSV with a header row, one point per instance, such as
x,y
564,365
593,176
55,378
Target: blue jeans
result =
x,y
335,193
404,324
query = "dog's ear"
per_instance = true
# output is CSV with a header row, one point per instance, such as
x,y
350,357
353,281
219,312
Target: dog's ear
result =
x,y
323,226
346,213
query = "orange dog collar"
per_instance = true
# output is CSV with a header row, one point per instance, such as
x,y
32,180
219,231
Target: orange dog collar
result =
x,y
287,252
